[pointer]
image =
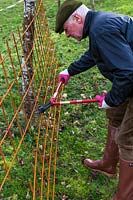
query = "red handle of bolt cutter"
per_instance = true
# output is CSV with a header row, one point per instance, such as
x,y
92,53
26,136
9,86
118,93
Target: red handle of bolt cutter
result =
x,y
53,99
75,102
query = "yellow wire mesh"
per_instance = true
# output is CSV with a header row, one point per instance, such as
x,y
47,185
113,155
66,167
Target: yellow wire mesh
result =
x,y
28,145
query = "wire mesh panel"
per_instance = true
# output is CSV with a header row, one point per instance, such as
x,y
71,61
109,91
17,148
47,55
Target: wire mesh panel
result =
x,y
28,142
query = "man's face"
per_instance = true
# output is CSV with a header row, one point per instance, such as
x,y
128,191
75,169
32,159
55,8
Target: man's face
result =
x,y
74,28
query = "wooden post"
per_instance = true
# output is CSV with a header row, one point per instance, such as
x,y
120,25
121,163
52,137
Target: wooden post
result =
x,y
92,4
59,2
27,65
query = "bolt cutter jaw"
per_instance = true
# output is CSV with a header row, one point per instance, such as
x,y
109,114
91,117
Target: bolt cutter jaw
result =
x,y
43,108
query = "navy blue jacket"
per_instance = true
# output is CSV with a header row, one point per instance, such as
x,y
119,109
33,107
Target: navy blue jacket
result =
x,y
111,49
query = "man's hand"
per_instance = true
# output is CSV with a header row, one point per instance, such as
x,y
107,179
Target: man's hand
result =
x,y
64,75
101,100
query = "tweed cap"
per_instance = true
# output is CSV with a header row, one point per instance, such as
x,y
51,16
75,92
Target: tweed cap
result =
x,y
64,12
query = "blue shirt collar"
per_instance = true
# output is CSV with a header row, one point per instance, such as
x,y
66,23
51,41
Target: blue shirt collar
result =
x,y
87,24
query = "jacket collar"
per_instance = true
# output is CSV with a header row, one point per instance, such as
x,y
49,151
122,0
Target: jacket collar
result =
x,y
87,24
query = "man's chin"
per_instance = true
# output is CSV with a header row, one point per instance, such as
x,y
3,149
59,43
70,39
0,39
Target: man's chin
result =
x,y
78,39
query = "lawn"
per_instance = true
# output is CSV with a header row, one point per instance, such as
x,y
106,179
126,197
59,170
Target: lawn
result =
x,y
83,128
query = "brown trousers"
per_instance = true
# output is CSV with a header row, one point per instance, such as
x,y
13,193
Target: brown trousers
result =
x,y
122,117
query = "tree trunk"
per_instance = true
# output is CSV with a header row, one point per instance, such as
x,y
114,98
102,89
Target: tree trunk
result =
x,y
59,2
27,66
92,4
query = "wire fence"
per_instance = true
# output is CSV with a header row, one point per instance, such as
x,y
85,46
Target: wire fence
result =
x,y
29,143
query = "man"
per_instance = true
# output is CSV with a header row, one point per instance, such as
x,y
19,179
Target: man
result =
x,y
111,49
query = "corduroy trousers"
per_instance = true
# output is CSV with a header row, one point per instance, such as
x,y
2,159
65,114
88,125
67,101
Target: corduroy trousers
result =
x,y
122,117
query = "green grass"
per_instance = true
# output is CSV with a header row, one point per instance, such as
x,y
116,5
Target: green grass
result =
x,y
10,20
82,127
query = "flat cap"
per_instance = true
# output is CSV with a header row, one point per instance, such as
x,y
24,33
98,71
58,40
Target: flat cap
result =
x,y
64,12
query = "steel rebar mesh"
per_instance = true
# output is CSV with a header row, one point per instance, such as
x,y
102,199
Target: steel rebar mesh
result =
x,y
28,145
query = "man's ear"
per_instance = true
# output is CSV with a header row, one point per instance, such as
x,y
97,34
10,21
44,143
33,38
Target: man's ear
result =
x,y
77,18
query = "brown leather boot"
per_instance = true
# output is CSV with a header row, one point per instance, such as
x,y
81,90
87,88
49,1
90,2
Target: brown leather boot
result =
x,y
108,163
125,186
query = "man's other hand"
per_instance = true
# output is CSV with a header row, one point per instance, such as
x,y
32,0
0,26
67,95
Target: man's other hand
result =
x,y
101,100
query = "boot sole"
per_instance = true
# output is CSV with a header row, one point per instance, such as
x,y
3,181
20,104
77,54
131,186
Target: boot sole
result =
x,y
105,173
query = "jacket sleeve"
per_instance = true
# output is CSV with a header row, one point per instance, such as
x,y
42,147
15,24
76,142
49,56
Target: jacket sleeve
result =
x,y
118,57
82,64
